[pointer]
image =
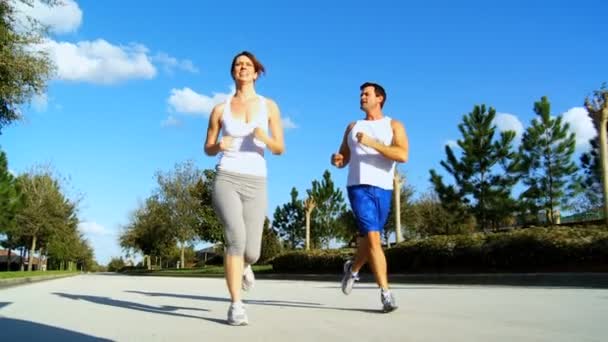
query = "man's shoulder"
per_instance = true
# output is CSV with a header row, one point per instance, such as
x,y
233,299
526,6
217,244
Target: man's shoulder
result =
x,y
396,124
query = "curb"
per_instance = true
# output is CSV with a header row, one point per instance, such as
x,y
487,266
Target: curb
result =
x,y
584,280
5,283
564,279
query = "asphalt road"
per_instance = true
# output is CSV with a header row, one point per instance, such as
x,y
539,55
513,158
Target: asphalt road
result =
x,y
129,308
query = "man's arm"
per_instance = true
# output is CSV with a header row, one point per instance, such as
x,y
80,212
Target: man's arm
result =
x,y
399,148
342,158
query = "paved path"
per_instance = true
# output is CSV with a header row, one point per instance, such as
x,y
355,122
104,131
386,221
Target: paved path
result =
x,y
129,308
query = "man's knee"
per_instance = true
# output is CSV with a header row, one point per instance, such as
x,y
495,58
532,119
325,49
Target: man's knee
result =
x,y
374,240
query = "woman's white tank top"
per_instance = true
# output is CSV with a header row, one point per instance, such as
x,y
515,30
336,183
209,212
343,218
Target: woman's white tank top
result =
x,y
246,155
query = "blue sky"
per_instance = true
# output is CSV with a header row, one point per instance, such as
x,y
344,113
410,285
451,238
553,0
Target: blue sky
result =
x,y
135,84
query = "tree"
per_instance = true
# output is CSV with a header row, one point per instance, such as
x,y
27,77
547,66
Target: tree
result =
x,y
149,231
329,206
271,246
24,69
116,264
597,107
10,200
484,174
288,221
45,209
209,228
176,192
348,227
309,206
406,192
429,217
591,181
546,150
64,244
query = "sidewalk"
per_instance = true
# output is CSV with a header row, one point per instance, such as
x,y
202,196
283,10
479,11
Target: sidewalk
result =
x,y
26,280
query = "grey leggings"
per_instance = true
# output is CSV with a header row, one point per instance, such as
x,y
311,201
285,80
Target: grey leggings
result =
x,y
240,202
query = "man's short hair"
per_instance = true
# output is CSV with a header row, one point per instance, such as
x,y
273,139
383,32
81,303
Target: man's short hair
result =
x,y
378,89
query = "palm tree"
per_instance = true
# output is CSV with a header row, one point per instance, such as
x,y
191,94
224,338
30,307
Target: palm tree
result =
x,y
597,107
309,205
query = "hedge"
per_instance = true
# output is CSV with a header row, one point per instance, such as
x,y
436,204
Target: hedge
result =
x,y
553,249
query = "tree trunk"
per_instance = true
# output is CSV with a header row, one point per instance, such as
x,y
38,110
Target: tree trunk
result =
x,y
31,254
397,194
309,205
181,257
604,162
308,229
41,260
8,261
21,263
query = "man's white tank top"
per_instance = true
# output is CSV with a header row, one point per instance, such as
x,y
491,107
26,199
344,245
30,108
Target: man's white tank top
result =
x,y
246,155
368,166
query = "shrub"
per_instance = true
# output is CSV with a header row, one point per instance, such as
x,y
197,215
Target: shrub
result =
x,y
522,250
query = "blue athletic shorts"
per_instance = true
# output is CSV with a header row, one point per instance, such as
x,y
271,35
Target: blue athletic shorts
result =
x,y
371,206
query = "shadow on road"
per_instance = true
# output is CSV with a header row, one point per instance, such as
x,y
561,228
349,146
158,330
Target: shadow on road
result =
x,y
165,310
279,303
20,330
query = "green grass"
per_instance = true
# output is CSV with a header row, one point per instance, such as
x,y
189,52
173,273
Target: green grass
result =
x,y
196,272
24,274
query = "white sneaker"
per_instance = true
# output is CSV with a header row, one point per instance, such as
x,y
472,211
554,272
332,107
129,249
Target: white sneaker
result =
x,y
237,314
388,301
348,278
248,279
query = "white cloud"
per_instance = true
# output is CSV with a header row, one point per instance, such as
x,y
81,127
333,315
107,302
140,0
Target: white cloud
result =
x,y
99,61
40,102
66,17
170,121
188,101
96,61
509,122
452,143
171,63
582,126
93,229
288,123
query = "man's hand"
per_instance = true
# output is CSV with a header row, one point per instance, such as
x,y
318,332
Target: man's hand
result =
x,y
225,143
337,160
364,139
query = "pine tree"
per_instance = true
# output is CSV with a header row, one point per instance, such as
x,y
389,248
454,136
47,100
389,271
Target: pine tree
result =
x,y
271,246
330,205
546,150
483,175
288,221
591,181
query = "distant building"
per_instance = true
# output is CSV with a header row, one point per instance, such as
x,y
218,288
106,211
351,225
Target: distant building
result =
x,y
202,255
15,261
